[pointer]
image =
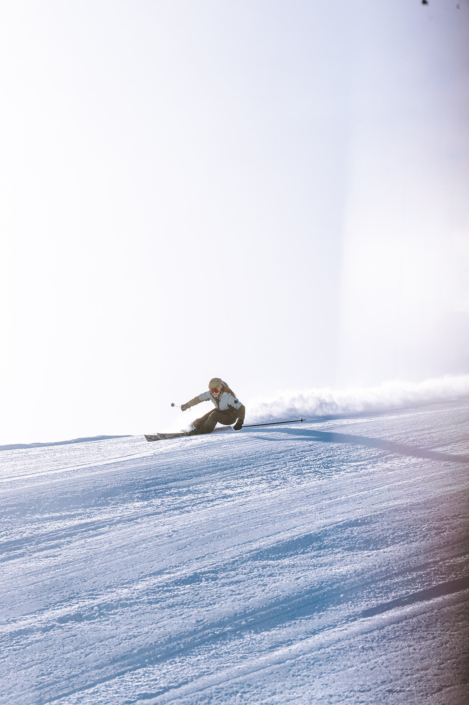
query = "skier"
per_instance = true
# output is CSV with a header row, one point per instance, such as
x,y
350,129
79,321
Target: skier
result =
x,y
228,408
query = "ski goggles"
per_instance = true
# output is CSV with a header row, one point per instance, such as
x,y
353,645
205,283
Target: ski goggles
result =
x,y
214,390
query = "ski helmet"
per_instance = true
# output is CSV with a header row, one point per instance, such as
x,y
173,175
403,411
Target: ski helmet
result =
x,y
215,382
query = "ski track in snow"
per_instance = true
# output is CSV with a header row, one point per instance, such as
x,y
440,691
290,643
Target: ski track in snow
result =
x,y
314,563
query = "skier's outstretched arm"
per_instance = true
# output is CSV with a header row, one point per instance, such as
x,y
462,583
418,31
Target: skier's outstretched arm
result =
x,y
192,402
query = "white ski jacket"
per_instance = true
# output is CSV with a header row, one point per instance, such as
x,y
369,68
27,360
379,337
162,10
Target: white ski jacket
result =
x,y
225,402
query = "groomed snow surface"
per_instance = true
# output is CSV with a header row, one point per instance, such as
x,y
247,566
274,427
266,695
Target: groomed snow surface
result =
x,y
323,562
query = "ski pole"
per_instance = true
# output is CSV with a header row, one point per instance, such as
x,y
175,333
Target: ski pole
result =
x,y
273,423
175,405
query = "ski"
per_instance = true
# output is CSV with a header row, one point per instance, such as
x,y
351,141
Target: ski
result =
x,y
164,436
167,436
182,434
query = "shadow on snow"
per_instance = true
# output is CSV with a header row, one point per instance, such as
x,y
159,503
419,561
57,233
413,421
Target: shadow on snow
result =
x,y
389,446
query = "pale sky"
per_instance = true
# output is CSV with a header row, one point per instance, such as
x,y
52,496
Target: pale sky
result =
x,y
274,192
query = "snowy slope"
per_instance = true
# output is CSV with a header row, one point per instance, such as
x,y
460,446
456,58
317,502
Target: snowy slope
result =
x,y
312,563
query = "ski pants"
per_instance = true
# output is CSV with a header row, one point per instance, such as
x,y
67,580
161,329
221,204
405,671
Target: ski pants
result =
x,y
207,423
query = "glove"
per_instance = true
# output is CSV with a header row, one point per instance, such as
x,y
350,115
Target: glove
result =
x,y
238,426
184,407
